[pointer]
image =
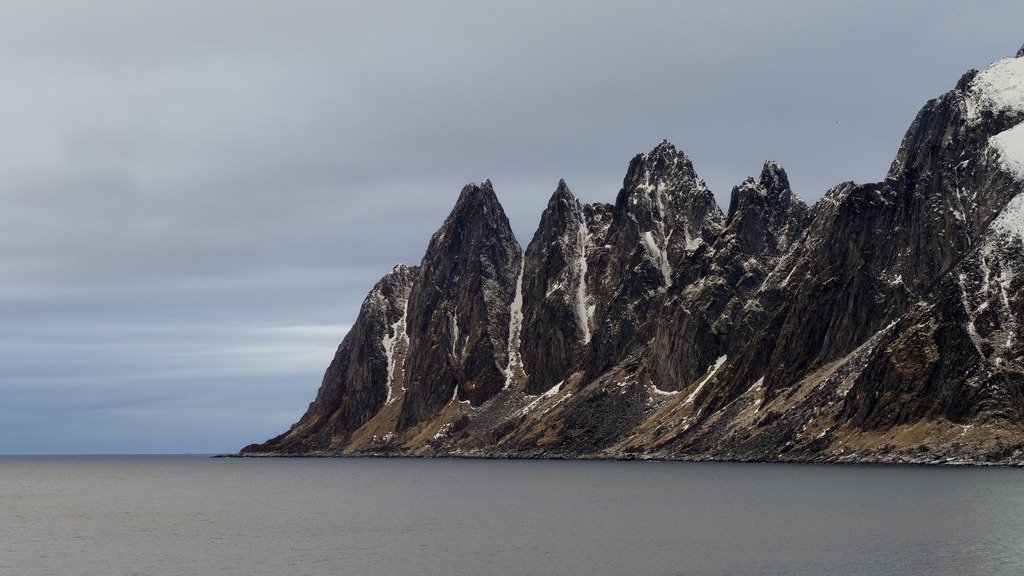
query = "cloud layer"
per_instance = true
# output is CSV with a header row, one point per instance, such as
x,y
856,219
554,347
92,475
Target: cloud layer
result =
x,y
191,191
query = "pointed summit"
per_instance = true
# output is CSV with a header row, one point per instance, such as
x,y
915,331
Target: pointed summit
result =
x,y
764,215
563,212
663,167
476,206
562,193
555,318
665,147
484,192
460,313
773,178
563,207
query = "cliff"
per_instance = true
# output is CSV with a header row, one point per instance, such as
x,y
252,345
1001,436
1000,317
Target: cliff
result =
x,y
881,324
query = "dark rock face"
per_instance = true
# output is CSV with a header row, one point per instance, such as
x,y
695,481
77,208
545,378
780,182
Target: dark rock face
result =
x,y
557,313
359,380
873,250
664,218
711,318
957,354
460,308
882,324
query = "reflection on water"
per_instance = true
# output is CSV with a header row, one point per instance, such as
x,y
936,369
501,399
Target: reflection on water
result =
x,y
194,515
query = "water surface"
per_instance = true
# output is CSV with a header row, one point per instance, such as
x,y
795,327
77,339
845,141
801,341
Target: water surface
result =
x,y
195,515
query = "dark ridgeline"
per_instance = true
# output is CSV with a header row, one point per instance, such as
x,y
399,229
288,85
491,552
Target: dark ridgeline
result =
x,y
881,324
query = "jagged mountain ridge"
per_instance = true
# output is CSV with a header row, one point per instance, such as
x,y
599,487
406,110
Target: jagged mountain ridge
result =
x,y
880,324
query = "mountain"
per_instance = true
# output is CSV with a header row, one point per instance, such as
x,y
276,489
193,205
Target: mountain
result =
x,y
881,324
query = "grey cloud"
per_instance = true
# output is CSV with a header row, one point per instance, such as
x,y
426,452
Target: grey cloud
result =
x,y
264,163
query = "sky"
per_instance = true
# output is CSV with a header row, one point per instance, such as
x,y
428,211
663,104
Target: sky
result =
x,y
196,196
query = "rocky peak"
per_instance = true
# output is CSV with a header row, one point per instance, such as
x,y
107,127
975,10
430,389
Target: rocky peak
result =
x,y
561,203
997,90
475,202
556,312
873,250
664,219
663,169
562,192
461,310
951,132
663,213
562,206
946,182
773,178
764,215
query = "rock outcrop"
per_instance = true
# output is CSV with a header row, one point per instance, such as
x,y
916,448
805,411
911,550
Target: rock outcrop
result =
x,y
881,324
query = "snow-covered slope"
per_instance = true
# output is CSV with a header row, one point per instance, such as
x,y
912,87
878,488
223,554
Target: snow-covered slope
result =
x,y
999,89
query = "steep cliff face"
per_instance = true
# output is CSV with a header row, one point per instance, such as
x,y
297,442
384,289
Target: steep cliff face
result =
x,y
465,309
716,316
872,250
881,324
559,302
956,355
366,374
663,220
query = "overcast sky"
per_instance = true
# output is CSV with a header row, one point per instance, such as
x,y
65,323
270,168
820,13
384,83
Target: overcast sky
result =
x,y
196,196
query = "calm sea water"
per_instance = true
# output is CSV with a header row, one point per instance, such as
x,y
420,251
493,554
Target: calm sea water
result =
x,y
195,515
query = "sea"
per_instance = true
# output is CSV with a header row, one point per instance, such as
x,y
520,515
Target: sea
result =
x,y
184,515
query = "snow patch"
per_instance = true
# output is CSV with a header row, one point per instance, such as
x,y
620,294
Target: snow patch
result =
x,y
714,369
388,342
1004,279
453,318
756,390
1010,146
442,431
582,313
658,256
560,400
515,327
1011,220
785,281
554,390
999,88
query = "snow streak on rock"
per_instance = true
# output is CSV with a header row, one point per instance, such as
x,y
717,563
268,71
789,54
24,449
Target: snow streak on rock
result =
x,y
581,281
388,342
658,256
515,328
711,374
